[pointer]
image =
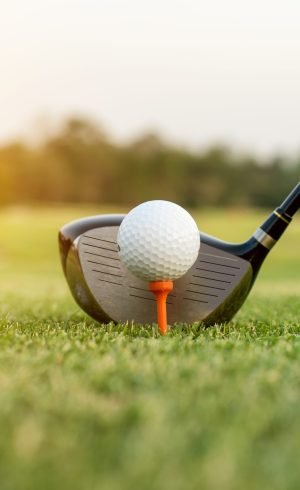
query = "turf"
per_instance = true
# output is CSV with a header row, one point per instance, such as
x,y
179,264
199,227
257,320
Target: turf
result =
x,y
84,406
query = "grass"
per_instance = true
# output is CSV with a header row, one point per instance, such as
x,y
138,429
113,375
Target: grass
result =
x,y
84,405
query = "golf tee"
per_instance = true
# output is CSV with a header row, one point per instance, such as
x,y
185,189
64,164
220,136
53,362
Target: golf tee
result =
x,y
161,289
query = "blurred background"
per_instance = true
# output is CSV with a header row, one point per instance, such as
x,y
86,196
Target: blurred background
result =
x,y
120,102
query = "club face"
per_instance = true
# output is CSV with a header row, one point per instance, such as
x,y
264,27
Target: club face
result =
x,y
212,291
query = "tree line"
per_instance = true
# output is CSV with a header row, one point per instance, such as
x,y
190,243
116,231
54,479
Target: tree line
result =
x,y
79,163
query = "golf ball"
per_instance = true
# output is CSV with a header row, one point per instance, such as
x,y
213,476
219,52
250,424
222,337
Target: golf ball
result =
x,y
158,240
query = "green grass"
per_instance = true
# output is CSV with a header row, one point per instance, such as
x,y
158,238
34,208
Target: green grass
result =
x,y
85,406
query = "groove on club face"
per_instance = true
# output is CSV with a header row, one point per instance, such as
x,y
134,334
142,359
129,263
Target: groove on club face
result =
x,y
212,290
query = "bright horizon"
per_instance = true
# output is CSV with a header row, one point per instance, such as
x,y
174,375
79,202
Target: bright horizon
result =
x,y
198,73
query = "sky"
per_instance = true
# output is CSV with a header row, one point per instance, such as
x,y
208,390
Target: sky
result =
x,y
199,72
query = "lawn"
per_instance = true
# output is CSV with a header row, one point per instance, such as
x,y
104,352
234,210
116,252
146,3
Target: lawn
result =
x,y
89,406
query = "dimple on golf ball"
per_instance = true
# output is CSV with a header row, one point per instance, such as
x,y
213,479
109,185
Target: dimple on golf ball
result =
x,y
158,240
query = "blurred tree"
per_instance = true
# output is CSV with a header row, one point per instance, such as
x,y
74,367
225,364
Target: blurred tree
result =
x,y
79,163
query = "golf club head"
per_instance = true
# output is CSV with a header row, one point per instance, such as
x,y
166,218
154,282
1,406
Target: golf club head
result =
x,y
212,291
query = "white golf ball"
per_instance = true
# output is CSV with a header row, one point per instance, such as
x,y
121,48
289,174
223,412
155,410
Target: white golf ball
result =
x,y
158,240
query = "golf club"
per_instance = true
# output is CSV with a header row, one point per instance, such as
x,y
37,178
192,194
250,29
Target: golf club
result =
x,y
212,291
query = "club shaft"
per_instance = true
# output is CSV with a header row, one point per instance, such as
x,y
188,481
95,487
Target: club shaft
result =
x,y
292,203
275,225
